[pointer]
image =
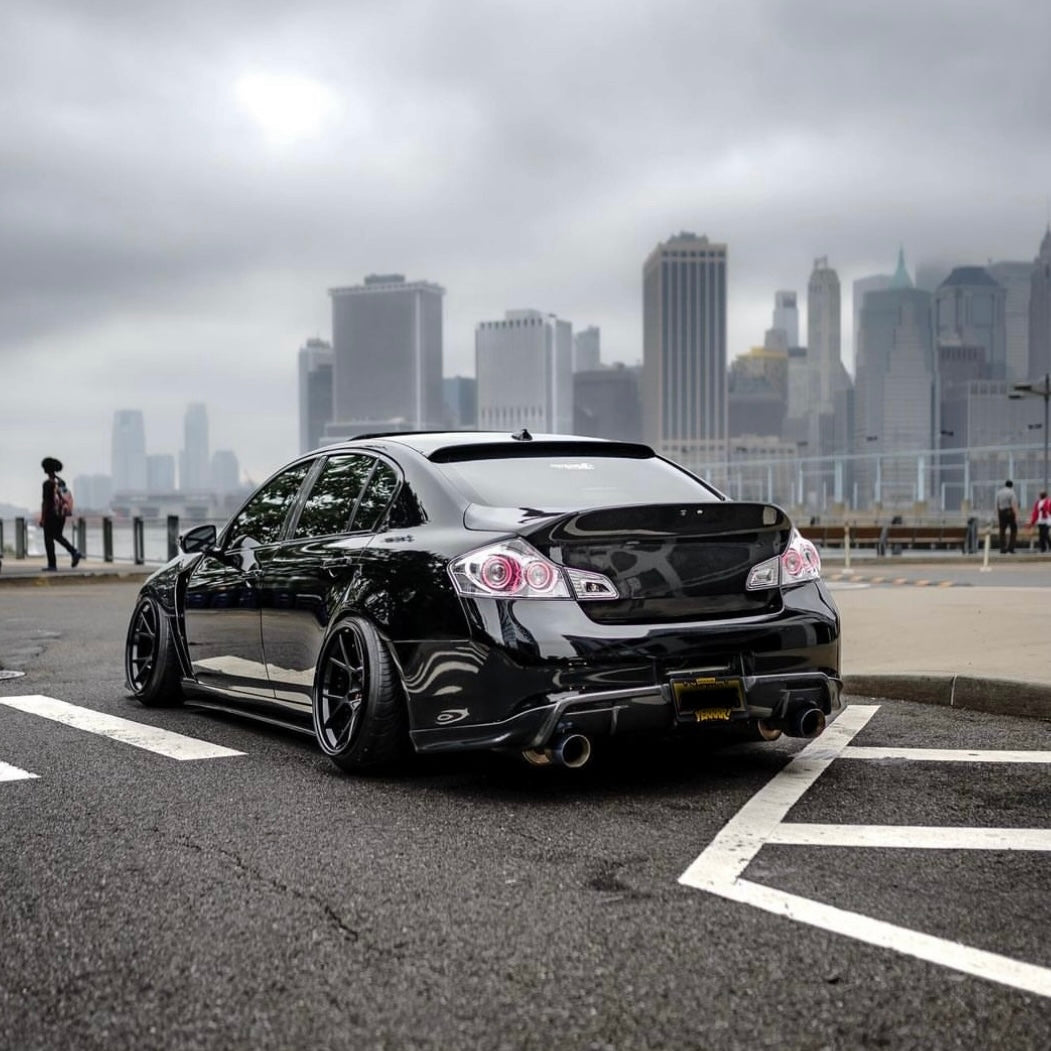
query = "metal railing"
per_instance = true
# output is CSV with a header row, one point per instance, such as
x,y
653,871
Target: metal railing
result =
x,y
134,540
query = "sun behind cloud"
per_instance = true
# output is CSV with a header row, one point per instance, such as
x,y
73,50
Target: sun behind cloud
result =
x,y
287,108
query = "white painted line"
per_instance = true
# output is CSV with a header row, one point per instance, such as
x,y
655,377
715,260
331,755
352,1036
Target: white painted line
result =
x,y
150,738
742,837
947,755
761,820
916,837
977,962
12,773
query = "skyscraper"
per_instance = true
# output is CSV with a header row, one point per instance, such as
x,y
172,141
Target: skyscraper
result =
x,y
524,367
1040,311
823,334
684,349
315,392
128,451
194,461
1016,281
894,387
587,351
387,354
969,311
786,317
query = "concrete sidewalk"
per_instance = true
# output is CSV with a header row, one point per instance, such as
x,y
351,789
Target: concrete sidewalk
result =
x,y
983,647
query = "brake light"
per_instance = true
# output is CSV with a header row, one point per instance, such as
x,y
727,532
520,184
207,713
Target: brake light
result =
x,y
798,563
515,569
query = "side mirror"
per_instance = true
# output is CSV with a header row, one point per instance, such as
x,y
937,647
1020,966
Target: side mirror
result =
x,y
200,538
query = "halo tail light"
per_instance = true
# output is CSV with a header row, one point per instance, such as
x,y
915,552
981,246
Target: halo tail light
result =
x,y
515,569
797,564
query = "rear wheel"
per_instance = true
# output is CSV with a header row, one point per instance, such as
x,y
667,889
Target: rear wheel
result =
x,y
359,714
151,664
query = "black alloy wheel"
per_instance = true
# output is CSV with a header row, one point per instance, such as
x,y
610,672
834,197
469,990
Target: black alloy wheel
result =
x,y
359,714
151,664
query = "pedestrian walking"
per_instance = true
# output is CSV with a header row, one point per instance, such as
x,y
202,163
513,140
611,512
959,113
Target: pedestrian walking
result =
x,y
1007,516
56,506
1041,518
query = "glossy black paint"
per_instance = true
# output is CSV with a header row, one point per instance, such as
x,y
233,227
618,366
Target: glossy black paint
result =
x,y
251,618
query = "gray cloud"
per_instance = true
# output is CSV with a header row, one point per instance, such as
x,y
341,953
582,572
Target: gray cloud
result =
x,y
159,248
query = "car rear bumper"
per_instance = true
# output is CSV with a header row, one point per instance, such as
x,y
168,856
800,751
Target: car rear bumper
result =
x,y
643,709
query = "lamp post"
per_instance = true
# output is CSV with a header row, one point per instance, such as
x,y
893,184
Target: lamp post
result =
x,y
1040,389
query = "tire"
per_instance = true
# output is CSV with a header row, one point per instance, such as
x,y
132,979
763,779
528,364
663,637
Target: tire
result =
x,y
151,664
358,707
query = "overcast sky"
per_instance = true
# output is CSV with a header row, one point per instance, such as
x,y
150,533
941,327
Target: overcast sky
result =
x,y
181,182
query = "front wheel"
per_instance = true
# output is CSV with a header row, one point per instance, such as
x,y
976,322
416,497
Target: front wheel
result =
x,y
359,714
151,665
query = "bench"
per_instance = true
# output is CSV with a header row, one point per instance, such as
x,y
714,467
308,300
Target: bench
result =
x,y
895,537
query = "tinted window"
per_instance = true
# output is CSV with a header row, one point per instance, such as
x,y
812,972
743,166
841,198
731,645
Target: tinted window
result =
x,y
556,481
262,517
331,501
376,497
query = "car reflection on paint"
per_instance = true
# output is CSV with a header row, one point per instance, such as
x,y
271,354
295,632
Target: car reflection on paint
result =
x,y
451,591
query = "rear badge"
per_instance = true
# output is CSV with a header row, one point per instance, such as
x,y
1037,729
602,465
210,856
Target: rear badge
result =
x,y
451,715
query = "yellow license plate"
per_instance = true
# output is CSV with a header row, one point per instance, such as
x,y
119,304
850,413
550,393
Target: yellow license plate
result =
x,y
712,715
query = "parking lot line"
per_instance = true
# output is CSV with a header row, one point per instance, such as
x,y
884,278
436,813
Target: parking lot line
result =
x,y
946,755
915,837
12,773
150,738
760,821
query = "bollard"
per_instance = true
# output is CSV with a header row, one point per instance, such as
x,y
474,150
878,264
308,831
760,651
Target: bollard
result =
x,y
846,545
985,560
173,536
81,541
107,539
138,541
21,538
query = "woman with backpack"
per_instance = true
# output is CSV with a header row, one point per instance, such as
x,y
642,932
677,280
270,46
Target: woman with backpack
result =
x,y
1041,518
55,507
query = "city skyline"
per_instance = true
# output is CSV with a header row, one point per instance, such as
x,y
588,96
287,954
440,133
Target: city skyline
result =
x,y
172,220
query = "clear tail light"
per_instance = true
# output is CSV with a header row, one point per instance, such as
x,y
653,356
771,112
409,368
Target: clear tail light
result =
x,y
798,563
515,569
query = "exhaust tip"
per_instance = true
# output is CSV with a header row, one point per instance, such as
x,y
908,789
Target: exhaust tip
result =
x,y
809,723
573,750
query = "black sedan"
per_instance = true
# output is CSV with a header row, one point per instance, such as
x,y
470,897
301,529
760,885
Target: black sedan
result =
x,y
448,591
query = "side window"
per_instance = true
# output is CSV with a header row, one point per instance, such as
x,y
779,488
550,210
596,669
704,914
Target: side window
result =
x,y
331,501
376,498
261,519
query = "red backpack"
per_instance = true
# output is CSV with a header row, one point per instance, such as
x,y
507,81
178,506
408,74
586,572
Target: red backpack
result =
x,y
63,499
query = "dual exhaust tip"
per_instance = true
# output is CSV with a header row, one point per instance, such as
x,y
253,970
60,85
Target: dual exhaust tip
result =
x,y
573,750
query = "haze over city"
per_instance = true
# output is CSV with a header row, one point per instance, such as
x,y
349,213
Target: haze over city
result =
x,y
181,185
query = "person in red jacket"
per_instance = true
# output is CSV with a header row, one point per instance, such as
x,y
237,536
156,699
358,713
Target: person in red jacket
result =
x,y
52,518
1041,518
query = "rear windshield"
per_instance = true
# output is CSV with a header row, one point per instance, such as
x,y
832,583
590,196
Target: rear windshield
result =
x,y
555,482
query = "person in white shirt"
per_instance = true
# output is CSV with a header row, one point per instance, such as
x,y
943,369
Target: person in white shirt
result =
x,y
1007,516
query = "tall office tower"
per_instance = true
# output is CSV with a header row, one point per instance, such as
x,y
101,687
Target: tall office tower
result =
x,y
587,350
606,403
758,393
786,317
195,474
1015,280
684,413
861,288
524,366
160,473
128,448
387,354
969,311
1040,311
823,333
225,472
315,392
461,402
894,389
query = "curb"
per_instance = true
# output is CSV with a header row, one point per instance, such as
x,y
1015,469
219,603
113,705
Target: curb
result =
x,y
39,579
1026,700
